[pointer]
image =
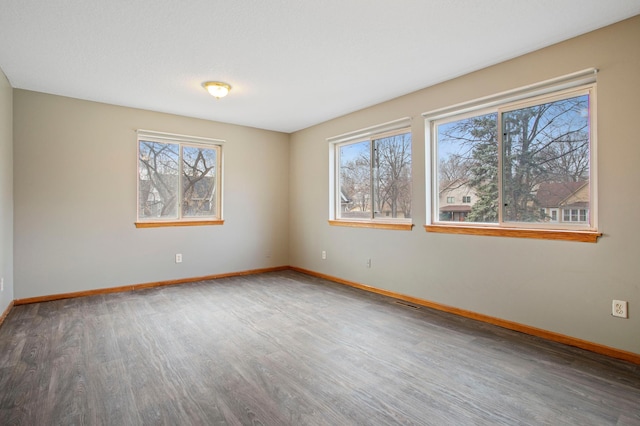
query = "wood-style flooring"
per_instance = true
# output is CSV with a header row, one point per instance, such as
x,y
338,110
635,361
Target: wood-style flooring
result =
x,y
284,348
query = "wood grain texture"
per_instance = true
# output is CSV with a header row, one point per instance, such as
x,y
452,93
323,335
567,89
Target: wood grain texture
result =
x,y
394,226
545,334
6,312
134,287
540,234
179,223
285,348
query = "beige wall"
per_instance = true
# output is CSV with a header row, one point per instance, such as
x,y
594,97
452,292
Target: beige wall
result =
x,y
564,287
6,191
74,195
75,199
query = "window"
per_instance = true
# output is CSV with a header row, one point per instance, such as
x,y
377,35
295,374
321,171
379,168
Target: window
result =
x,y
451,200
179,180
574,215
522,158
371,176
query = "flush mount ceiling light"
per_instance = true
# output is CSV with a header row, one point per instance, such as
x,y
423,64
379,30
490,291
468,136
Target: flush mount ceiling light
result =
x,y
217,89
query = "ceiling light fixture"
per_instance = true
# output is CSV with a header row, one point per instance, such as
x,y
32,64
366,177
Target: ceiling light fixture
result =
x,y
217,89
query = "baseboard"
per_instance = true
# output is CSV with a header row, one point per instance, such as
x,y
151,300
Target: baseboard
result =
x,y
134,287
548,335
6,312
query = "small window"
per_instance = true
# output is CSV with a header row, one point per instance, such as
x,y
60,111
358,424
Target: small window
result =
x,y
451,200
179,179
466,199
575,215
370,177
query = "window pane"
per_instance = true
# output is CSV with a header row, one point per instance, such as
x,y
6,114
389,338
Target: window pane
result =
x,y
546,159
467,164
198,181
158,180
355,180
392,176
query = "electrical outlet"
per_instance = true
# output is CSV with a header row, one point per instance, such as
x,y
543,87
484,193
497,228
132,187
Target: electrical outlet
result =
x,y
179,258
324,255
1,284
619,309
368,263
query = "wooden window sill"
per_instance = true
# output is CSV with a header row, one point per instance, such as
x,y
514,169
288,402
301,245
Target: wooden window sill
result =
x,y
541,234
179,223
369,224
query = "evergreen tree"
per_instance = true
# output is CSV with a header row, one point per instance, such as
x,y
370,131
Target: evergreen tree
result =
x,y
477,148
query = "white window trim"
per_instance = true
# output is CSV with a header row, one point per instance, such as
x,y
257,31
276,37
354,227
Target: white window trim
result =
x,y
580,78
585,79
168,137
162,137
351,137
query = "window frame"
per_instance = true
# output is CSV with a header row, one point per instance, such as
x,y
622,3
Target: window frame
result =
x,y
565,87
396,127
182,141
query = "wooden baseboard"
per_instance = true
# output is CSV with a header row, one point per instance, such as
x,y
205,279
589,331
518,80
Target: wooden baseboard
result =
x,y
548,335
134,287
6,312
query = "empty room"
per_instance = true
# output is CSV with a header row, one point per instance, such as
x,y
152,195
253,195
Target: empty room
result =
x,y
319,213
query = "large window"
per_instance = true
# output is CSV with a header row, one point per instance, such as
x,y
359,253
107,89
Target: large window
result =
x,y
517,162
372,175
179,180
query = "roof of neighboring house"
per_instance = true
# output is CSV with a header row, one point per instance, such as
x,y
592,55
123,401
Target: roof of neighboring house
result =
x,y
577,205
455,209
343,196
452,185
552,194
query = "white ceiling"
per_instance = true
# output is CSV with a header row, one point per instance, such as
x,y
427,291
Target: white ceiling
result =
x,y
292,63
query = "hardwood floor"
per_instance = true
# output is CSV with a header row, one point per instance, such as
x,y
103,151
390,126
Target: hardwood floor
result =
x,y
285,348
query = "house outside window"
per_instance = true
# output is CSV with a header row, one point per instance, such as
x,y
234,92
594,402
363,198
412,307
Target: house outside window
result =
x,y
179,180
452,211
523,158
